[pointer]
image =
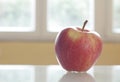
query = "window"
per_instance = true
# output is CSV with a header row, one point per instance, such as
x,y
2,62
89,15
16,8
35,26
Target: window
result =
x,y
64,13
16,15
103,16
17,19
42,19
116,16
111,21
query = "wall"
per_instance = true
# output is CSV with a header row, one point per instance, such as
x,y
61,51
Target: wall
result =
x,y
42,53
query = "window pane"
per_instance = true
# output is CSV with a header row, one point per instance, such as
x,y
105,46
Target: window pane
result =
x,y
116,16
63,13
16,15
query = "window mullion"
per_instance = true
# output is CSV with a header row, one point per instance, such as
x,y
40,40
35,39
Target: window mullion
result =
x,y
100,18
114,37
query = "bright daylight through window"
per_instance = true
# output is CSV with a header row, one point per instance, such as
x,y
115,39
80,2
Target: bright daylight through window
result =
x,y
64,13
16,15
43,19
116,16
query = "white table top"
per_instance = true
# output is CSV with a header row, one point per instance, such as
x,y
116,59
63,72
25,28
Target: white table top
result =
x,y
54,73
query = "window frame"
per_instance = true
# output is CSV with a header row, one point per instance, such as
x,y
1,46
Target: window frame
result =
x,y
40,33
103,25
110,35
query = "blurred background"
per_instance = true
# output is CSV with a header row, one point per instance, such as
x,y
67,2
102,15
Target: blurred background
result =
x,y
28,28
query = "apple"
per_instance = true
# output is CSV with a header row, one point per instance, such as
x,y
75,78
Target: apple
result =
x,y
77,49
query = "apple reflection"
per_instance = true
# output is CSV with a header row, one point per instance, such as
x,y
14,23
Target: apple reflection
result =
x,y
77,77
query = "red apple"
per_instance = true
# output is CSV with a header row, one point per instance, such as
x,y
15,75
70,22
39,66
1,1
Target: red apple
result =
x,y
78,49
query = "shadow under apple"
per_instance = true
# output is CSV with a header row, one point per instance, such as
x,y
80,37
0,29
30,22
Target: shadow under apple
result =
x,y
77,77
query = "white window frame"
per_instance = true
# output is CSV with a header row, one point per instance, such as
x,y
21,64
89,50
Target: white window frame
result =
x,y
40,34
111,36
102,21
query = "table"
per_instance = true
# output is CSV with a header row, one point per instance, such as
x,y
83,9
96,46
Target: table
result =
x,y
55,73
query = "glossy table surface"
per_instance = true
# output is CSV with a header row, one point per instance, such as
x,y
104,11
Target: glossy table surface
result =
x,y
55,73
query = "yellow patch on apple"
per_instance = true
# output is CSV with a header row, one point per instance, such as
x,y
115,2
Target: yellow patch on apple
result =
x,y
73,35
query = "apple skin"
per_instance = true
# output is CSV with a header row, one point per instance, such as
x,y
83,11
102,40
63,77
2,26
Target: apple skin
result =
x,y
77,49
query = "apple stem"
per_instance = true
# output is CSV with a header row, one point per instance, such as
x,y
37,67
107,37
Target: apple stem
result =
x,y
84,25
